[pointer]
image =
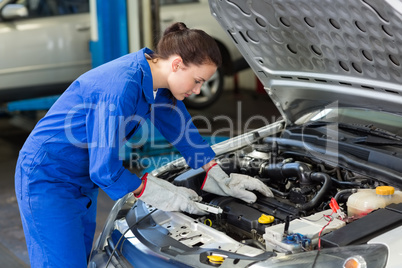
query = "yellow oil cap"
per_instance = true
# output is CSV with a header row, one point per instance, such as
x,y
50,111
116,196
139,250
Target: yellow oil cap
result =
x,y
215,259
266,219
385,190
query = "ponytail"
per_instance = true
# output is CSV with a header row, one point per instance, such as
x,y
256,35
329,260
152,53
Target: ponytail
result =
x,y
192,45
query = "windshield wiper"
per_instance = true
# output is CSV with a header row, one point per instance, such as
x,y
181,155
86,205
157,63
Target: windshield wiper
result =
x,y
376,141
375,135
372,130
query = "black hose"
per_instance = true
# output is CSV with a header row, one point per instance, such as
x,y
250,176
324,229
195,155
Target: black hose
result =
x,y
277,192
306,177
300,170
327,183
388,175
343,195
345,183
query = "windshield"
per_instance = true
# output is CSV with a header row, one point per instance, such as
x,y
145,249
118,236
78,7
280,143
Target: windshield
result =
x,y
383,120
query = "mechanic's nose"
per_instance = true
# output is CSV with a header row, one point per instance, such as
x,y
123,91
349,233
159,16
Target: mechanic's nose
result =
x,y
197,89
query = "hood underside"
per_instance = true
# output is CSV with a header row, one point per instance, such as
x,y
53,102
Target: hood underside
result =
x,y
311,55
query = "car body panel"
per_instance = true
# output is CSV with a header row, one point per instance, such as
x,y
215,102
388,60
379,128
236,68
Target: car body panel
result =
x,y
320,53
393,242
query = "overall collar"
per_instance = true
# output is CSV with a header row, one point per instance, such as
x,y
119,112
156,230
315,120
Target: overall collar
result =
x,y
147,83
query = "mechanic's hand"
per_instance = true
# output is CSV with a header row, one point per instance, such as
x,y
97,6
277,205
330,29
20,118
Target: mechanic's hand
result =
x,y
237,185
165,196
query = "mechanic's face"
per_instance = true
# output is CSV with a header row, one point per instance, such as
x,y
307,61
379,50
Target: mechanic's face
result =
x,y
186,80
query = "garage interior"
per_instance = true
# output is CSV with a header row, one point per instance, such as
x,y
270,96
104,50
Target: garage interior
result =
x,y
346,52
241,99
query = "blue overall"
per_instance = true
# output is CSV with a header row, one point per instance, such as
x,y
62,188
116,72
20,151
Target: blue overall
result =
x,y
74,150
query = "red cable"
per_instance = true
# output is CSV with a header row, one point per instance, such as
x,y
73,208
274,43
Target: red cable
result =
x,y
319,234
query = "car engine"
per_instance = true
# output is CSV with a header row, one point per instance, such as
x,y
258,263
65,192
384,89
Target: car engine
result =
x,y
310,207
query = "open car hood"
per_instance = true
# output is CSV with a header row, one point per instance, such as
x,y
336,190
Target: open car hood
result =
x,y
311,55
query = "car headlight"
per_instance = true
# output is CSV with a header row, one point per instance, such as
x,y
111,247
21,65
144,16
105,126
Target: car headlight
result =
x,y
362,256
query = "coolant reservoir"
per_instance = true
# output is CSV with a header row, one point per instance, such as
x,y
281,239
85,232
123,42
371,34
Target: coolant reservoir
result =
x,y
366,200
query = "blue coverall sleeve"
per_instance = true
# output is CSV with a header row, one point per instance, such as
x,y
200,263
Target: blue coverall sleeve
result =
x,y
107,124
175,124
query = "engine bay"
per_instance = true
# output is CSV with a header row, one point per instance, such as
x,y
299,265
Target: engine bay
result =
x,y
310,208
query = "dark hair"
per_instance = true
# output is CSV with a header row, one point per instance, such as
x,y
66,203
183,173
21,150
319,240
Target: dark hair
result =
x,y
192,45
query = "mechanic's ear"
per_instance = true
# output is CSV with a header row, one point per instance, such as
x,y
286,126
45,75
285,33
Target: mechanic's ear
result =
x,y
176,64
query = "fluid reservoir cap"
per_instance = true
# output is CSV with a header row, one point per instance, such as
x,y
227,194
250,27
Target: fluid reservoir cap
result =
x,y
385,190
215,259
266,219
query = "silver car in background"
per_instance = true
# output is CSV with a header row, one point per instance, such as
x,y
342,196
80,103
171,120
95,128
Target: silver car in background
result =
x,y
44,46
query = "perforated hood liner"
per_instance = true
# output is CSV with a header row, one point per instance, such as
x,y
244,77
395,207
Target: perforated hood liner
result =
x,y
324,53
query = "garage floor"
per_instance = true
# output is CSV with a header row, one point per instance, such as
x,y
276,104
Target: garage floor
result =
x,y
240,107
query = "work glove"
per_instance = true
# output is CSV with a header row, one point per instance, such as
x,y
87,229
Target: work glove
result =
x,y
165,196
237,185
